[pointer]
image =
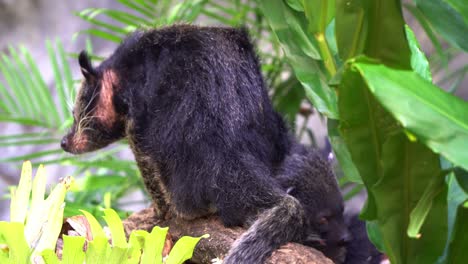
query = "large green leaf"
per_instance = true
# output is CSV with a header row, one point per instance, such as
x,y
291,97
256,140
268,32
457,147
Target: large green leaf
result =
x,y
374,28
449,18
408,171
319,13
183,249
436,117
73,250
302,52
20,195
116,228
13,236
154,245
364,125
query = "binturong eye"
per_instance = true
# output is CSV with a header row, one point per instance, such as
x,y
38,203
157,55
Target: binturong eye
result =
x,y
323,220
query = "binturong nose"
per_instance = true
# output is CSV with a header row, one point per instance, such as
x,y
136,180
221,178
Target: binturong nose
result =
x,y
345,238
64,143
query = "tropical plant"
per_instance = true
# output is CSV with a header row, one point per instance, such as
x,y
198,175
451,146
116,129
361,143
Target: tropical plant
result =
x,y
40,220
392,130
29,232
389,125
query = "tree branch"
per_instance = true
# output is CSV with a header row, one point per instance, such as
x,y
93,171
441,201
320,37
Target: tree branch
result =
x,y
220,240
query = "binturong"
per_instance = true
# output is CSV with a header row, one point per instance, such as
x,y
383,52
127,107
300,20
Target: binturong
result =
x,y
192,103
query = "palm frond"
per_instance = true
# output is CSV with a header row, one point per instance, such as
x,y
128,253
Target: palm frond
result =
x,y
27,99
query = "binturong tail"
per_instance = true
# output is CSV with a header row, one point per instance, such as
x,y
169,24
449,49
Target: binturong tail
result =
x,y
273,228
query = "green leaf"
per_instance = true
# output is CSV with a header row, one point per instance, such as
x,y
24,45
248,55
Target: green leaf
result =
x,y
288,98
460,6
144,10
429,31
67,75
20,91
319,13
154,245
96,228
458,244
290,27
408,170
342,153
420,212
13,234
45,95
98,250
36,142
116,255
101,34
34,155
374,28
455,249
38,188
9,105
27,85
95,182
134,251
20,196
302,52
296,5
411,102
26,121
117,165
89,16
60,85
452,25
49,224
419,61
125,18
73,250
375,235
462,178
183,249
364,126
49,257
116,227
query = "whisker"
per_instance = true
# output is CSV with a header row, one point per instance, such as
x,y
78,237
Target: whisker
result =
x,y
95,93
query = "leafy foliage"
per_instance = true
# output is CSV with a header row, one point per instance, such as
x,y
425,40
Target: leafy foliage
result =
x,y
355,61
42,223
392,121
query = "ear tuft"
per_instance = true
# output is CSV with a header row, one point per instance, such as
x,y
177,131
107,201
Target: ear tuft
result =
x,y
86,67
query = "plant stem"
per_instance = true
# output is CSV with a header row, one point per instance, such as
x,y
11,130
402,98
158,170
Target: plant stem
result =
x,y
326,54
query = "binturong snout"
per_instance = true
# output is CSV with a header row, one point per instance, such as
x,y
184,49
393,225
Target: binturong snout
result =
x,y
74,144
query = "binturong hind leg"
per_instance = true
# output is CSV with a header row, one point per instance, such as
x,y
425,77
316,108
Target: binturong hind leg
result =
x,y
273,228
250,195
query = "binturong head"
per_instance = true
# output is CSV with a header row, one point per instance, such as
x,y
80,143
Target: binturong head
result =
x,y
97,121
309,178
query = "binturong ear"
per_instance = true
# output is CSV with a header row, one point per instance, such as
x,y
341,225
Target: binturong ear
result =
x,y
86,67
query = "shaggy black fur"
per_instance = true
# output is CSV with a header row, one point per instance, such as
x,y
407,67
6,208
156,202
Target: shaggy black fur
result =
x,y
193,105
306,176
360,249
